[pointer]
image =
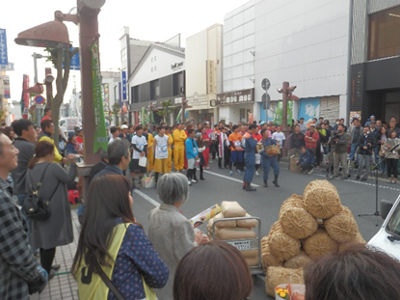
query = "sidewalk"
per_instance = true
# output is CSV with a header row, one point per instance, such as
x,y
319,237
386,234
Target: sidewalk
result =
x,y
63,285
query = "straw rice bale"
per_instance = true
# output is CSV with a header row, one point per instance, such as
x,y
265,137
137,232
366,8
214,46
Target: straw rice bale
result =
x,y
321,199
268,259
292,201
298,223
357,239
342,227
298,261
319,244
251,223
283,246
280,275
232,209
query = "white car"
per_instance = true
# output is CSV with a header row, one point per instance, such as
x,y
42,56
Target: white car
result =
x,y
388,237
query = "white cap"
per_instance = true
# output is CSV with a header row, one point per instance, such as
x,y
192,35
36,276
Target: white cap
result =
x,y
124,127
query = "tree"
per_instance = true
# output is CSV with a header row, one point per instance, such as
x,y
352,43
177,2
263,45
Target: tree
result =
x,y
166,110
61,59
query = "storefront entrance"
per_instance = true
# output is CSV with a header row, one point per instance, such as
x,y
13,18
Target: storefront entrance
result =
x,y
391,105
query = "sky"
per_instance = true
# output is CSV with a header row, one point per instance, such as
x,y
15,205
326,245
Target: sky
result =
x,y
156,20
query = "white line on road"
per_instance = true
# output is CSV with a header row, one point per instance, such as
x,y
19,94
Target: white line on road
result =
x,y
228,177
363,183
147,198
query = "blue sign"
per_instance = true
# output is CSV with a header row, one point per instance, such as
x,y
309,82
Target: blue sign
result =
x,y
39,99
309,109
124,97
75,61
3,47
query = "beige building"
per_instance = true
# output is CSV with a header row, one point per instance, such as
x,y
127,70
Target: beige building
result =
x,y
204,73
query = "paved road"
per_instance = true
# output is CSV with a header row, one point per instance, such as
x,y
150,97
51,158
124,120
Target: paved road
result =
x,y
265,202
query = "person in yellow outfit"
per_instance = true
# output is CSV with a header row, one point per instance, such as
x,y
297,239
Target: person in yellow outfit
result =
x,y
48,130
170,143
179,147
150,151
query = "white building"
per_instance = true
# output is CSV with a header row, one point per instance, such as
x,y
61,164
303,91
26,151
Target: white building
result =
x,y
236,101
204,73
159,76
304,42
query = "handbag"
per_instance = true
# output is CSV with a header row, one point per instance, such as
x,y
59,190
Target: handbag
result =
x,y
149,293
34,207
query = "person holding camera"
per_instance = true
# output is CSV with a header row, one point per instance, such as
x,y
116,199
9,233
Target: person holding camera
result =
x,y
366,142
341,140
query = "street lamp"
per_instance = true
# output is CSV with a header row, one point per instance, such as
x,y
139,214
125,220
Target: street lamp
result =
x,y
54,34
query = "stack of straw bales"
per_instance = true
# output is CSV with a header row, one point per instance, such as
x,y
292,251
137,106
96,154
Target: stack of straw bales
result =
x,y
234,230
309,227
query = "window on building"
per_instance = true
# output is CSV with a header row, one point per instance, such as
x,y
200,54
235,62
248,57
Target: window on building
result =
x,y
384,34
123,55
177,83
155,89
135,94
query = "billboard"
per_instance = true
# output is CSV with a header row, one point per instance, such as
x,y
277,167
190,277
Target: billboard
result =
x,y
3,48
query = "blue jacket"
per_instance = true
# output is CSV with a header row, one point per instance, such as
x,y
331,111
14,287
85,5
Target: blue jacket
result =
x,y
250,146
266,143
306,158
191,148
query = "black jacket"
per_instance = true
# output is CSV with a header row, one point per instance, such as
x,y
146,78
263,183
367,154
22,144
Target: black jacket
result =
x,y
368,140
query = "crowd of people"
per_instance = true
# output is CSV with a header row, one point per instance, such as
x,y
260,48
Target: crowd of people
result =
x,y
115,259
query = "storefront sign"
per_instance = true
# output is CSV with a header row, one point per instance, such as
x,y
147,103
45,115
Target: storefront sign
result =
x,y
357,87
3,48
211,78
177,66
235,97
100,135
9,67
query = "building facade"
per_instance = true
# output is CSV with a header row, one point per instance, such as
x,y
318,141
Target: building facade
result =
x,y
236,102
375,59
204,73
158,77
305,43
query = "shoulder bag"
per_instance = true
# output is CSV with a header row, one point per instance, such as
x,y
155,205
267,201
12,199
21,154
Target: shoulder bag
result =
x,y
149,293
34,207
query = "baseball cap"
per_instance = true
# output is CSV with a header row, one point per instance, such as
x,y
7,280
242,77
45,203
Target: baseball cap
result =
x,y
313,125
262,123
124,127
71,134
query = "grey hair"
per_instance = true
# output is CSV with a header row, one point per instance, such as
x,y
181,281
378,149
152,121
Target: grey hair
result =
x,y
173,188
103,154
118,149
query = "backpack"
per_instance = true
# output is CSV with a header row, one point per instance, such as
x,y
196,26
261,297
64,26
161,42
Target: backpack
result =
x,y
34,207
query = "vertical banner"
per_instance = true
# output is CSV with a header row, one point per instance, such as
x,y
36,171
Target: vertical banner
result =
x,y
25,97
100,135
277,119
124,96
3,48
6,87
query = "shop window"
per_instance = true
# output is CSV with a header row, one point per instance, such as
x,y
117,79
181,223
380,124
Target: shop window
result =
x,y
384,34
155,89
177,83
135,94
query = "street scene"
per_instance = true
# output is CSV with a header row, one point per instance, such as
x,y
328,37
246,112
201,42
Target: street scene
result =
x,y
192,151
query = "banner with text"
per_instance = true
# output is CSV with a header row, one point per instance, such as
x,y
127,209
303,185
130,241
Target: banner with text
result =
x,y
100,135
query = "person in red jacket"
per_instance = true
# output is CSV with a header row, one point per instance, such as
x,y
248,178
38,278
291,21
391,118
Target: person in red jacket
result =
x,y
311,138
